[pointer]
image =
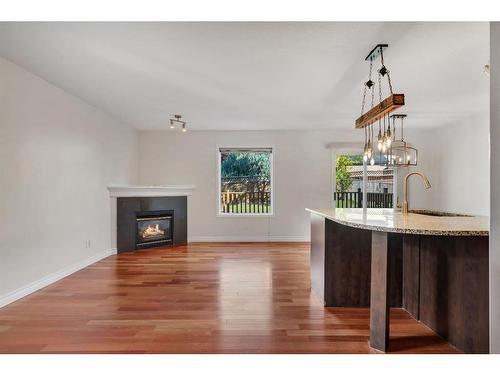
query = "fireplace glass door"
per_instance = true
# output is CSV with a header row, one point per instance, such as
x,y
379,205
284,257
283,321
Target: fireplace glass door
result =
x,y
154,229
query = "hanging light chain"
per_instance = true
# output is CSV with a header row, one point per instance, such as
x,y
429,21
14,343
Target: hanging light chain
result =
x,y
368,84
373,95
389,80
386,70
380,87
402,126
363,102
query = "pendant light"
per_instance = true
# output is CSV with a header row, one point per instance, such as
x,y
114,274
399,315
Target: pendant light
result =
x,y
378,114
402,153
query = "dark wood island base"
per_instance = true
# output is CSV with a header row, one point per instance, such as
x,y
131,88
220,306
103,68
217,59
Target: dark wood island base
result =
x,y
441,280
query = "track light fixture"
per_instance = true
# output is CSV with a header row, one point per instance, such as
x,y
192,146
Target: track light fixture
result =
x,y
177,120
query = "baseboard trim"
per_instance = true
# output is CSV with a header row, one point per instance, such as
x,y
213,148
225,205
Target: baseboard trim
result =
x,y
248,239
52,278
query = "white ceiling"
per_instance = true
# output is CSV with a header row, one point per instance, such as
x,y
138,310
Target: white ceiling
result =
x,y
255,75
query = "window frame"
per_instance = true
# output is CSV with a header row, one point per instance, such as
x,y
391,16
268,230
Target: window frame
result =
x,y
218,190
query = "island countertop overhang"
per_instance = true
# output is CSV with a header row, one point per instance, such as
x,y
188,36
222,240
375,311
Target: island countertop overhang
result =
x,y
389,220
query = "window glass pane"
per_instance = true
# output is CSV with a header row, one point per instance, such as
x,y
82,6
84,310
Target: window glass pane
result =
x,y
245,181
349,183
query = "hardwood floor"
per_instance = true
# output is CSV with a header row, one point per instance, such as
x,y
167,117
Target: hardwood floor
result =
x,y
201,298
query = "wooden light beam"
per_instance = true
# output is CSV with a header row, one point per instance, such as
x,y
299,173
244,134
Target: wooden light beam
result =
x,y
386,106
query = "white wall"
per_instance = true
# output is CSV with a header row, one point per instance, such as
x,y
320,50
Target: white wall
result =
x,y
302,178
495,191
455,158
57,155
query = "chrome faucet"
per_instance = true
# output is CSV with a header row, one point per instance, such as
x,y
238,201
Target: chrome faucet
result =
x,y
427,185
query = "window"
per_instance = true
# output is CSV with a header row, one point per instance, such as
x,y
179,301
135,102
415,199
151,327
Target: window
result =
x,y
245,181
350,180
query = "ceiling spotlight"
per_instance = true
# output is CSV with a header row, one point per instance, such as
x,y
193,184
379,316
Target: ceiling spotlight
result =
x,y
177,120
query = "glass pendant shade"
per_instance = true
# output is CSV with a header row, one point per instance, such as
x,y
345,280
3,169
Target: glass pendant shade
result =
x,y
404,154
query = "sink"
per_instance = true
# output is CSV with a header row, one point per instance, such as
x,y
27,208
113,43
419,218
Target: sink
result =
x,y
437,213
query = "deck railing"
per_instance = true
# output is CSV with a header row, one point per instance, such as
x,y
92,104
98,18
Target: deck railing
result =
x,y
255,202
247,202
354,199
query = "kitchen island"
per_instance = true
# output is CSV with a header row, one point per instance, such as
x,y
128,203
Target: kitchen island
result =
x,y
432,264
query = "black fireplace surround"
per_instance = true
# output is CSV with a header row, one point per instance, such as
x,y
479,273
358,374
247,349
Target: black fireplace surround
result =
x,y
144,222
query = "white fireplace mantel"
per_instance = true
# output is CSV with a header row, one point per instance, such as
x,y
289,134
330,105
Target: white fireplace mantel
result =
x,y
150,191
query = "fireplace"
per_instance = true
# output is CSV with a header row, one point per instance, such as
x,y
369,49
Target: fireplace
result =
x,y
129,230
154,228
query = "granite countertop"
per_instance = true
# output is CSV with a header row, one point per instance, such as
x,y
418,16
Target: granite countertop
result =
x,y
389,220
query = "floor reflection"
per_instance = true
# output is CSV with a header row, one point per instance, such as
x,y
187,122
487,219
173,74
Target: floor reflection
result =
x,y
245,296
